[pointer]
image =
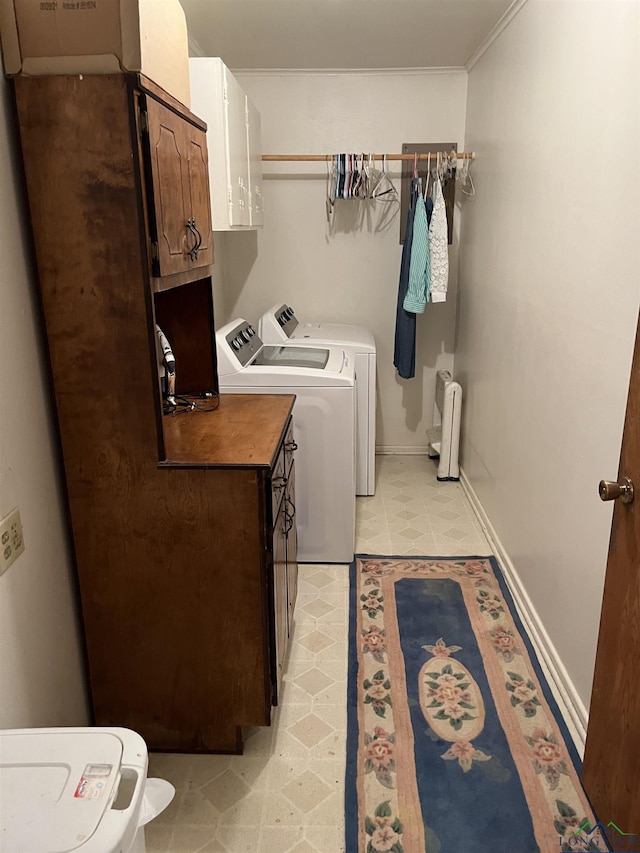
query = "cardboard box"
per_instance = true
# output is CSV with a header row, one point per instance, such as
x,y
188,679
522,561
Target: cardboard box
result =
x,y
98,37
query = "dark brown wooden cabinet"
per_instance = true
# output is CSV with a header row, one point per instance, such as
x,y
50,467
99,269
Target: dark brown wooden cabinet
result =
x,y
255,566
285,550
280,597
183,561
292,547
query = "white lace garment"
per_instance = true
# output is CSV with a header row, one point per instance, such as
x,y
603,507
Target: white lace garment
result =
x,y
438,246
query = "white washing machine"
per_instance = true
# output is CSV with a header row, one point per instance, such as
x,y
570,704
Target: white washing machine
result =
x,y
323,380
279,325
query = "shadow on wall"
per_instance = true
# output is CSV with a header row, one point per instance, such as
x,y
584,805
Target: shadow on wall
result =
x,y
351,215
240,250
432,353
354,215
412,400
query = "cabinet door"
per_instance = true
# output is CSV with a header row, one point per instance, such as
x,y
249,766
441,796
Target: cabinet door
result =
x,y
292,545
254,147
178,165
198,184
280,600
237,161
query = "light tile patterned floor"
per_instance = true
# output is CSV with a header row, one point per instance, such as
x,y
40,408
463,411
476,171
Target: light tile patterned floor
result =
x,y
285,794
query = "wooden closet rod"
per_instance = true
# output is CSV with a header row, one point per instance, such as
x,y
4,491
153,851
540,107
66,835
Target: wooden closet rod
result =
x,y
464,155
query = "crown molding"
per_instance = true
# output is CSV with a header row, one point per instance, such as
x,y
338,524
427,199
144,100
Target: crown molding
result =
x,y
337,72
194,47
502,24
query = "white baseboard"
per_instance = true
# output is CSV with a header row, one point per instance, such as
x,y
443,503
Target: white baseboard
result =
x,y
571,706
401,450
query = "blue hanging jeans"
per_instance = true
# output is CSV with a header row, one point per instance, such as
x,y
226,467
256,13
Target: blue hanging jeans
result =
x,y
404,351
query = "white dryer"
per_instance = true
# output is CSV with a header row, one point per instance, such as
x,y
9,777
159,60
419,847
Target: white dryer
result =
x,y
323,380
279,325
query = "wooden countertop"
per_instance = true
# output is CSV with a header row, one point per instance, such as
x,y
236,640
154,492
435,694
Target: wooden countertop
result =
x,y
244,431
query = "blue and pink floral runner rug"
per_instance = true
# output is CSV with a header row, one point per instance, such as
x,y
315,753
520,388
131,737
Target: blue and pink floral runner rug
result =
x,y
454,743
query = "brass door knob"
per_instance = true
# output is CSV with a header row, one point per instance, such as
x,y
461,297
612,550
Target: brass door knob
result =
x,y
610,491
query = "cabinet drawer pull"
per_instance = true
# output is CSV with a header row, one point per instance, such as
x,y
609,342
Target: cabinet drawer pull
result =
x,y
279,482
290,446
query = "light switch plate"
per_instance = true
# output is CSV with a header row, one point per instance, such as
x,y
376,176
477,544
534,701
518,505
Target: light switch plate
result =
x,y
11,541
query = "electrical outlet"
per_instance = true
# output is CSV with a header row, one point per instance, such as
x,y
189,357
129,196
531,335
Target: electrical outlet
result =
x,y
11,541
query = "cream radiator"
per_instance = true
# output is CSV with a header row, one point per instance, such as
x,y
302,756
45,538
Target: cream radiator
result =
x,y
444,436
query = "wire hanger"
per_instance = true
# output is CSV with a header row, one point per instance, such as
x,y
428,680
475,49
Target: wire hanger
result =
x,y
465,179
384,190
426,179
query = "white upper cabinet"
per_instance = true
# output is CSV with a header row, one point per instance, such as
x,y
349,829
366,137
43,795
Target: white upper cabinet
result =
x,y
233,156
254,147
233,138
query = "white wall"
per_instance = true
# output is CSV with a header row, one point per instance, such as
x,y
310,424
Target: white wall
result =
x,y
345,272
549,288
41,674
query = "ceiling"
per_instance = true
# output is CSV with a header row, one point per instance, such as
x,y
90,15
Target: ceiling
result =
x,y
341,34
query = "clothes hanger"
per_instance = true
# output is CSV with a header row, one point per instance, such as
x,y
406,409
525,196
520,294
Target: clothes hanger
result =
x,y
374,176
416,182
465,178
426,180
362,179
385,186
331,186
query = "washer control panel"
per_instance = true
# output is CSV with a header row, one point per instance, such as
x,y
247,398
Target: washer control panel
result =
x,y
285,317
244,342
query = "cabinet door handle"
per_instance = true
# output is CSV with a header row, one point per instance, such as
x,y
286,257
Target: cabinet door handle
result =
x,y
289,516
289,513
198,237
291,446
279,482
193,252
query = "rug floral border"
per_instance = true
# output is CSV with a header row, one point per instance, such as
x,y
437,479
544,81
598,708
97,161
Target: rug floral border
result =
x,y
383,808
